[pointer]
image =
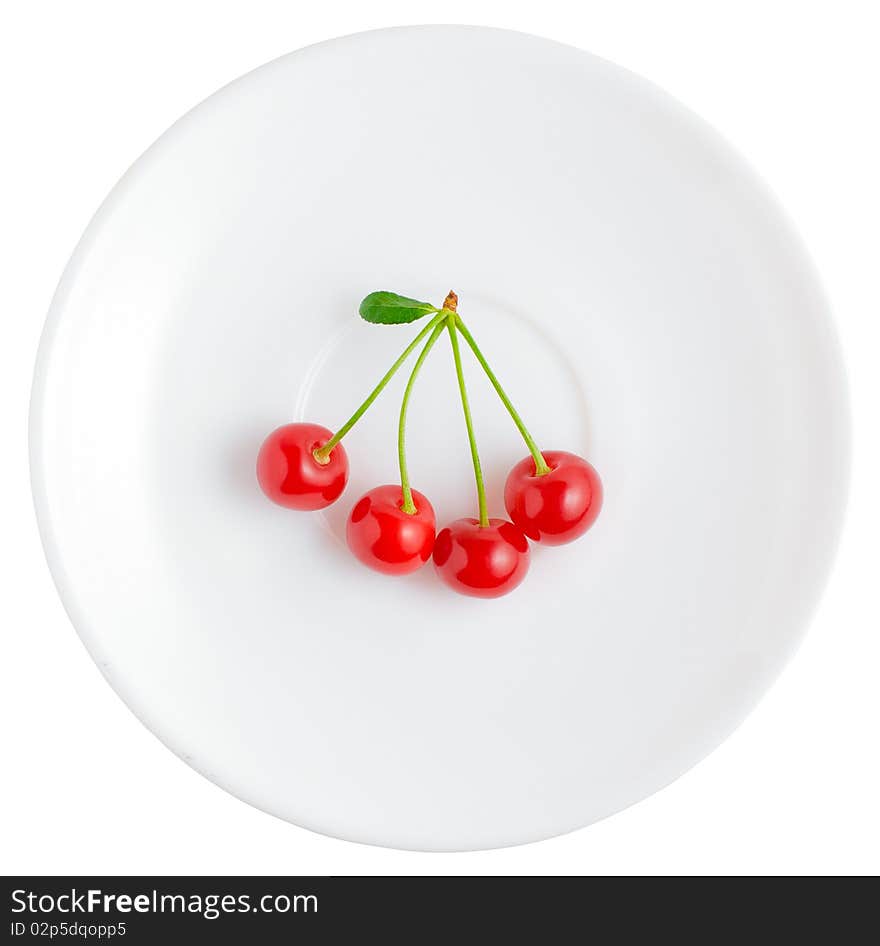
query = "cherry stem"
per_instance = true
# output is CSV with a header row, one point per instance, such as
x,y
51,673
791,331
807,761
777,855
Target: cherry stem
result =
x,y
541,466
409,507
475,456
322,453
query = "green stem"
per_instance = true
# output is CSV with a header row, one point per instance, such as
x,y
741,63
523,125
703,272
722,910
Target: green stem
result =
x,y
475,456
322,453
409,507
540,463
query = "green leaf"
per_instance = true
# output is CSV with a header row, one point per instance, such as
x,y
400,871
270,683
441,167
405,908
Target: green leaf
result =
x,y
388,308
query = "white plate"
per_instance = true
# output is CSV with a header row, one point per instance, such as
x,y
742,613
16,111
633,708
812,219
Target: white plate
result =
x,y
645,303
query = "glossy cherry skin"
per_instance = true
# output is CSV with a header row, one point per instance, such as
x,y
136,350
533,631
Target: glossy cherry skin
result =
x,y
387,539
559,506
289,474
484,562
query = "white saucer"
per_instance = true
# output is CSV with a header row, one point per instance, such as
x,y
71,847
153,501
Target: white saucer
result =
x,y
644,302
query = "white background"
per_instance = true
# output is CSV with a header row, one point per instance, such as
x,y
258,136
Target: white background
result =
x,y
86,87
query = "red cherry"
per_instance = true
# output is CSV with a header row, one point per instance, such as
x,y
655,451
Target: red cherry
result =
x,y
558,506
482,561
290,475
386,538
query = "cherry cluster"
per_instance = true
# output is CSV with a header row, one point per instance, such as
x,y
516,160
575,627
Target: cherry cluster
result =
x,y
551,496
